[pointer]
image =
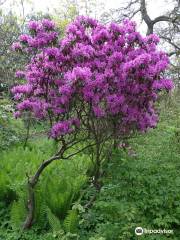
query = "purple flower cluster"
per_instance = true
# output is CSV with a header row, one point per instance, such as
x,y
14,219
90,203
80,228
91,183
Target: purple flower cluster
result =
x,y
108,71
165,84
19,90
37,107
60,129
16,46
64,127
42,34
20,74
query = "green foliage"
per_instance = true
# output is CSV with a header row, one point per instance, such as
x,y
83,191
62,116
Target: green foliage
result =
x,y
63,189
9,60
69,225
58,189
139,190
6,194
4,215
18,214
14,165
59,195
19,209
10,130
71,221
54,222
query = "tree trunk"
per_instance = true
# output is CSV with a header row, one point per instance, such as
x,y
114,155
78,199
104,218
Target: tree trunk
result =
x,y
31,206
97,168
97,176
32,182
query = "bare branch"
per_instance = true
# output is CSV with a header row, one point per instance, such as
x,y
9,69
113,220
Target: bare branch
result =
x,y
174,53
162,19
170,42
131,3
79,151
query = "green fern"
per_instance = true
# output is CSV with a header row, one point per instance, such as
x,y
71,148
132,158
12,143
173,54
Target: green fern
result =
x,y
53,221
71,221
40,208
6,193
59,186
19,209
59,195
78,183
18,214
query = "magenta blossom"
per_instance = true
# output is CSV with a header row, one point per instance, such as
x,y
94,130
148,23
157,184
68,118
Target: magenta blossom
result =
x,y
16,46
96,72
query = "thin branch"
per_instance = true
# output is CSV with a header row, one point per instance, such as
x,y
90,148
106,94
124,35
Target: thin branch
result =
x,y
170,42
134,13
161,19
130,4
173,53
41,168
82,149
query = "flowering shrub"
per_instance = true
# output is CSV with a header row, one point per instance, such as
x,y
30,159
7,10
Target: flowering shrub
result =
x,y
95,71
97,83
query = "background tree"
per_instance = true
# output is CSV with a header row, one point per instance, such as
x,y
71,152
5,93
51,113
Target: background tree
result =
x,y
166,26
9,61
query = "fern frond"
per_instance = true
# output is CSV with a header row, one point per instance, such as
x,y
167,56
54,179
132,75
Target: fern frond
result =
x,y
18,214
71,221
53,221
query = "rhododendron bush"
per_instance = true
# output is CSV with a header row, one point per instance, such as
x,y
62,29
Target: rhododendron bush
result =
x,y
99,83
108,71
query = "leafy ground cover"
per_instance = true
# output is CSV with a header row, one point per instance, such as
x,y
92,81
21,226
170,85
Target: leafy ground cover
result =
x,y
141,190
